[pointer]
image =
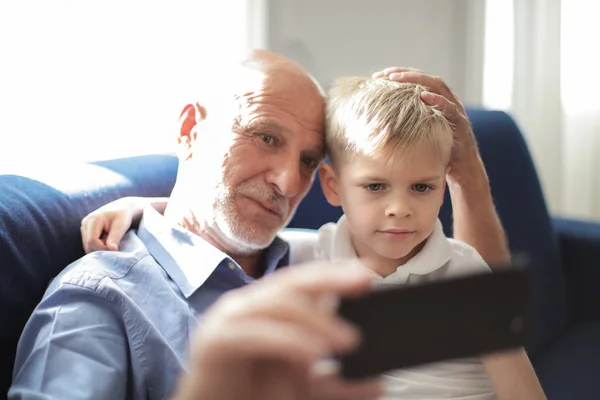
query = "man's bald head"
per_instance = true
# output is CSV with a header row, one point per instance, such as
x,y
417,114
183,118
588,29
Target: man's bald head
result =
x,y
261,76
252,69
272,63
249,147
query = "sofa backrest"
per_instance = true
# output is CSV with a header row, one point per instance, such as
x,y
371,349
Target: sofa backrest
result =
x,y
41,206
520,203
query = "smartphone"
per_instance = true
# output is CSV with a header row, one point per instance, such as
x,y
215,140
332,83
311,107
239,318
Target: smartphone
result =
x,y
454,318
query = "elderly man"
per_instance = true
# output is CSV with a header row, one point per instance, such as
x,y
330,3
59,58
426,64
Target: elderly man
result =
x,y
119,324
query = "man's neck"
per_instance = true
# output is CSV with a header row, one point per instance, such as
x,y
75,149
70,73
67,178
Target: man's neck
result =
x,y
250,262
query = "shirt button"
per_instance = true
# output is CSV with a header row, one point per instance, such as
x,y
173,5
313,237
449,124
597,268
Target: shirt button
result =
x,y
231,266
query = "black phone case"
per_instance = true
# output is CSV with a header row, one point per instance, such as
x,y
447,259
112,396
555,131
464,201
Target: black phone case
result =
x,y
453,318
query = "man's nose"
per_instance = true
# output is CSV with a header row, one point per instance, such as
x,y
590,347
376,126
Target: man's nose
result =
x,y
286,177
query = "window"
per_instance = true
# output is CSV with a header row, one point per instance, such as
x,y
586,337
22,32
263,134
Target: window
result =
x,y
104,79
498,54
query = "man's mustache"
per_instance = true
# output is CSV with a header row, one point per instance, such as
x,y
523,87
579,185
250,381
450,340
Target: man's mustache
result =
x,y
266,194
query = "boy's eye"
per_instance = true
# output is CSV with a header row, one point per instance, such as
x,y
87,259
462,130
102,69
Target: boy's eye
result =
x,y
374,187
265,137
421,187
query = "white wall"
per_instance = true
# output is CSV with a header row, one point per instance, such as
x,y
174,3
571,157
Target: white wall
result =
x,y
333,38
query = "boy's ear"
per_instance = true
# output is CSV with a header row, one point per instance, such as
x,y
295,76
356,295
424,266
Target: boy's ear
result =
x,y
189,120
329,184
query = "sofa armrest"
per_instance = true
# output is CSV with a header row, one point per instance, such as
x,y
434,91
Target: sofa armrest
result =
x,y
579,243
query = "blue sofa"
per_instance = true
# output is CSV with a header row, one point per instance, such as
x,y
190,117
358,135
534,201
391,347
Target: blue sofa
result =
x,y
41,208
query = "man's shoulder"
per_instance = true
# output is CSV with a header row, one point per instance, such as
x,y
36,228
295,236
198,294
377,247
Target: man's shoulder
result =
x,y
94,268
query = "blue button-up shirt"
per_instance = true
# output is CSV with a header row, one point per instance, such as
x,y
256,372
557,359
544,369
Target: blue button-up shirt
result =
x,y
116,325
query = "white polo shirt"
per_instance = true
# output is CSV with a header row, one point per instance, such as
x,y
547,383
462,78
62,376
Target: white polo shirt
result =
x,y
441,257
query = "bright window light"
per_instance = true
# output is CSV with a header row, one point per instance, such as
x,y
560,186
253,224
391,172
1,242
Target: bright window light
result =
x,y
94,80
498,54
580,60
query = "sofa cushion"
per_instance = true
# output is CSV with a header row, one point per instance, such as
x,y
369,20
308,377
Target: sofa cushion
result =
x,y
522,209
40,212
569,370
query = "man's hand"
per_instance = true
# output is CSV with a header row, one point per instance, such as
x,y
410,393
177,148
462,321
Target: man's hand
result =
x,y
263,341
465,155
103,229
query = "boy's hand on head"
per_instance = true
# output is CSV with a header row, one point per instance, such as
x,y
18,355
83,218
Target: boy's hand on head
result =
x,y
465,154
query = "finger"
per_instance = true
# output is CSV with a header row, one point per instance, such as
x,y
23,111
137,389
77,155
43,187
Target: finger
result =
x,y
386,72
117,230
441,103
337,333
91,233
286,381
86,248
262,339
433,83
327,386
318,279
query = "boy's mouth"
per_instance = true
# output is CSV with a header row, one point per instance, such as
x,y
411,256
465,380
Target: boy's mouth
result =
x,y
396,233
399,231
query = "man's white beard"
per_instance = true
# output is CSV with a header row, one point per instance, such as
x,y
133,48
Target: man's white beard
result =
x,y
230,228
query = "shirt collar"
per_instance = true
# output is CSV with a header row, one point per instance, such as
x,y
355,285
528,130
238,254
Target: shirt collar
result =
x,y
435,253
341,245
188,258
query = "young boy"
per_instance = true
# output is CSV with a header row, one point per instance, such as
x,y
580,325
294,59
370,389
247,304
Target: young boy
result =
x,y
389,154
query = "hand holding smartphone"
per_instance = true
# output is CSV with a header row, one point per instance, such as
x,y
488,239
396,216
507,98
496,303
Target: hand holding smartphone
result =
x,y
454,318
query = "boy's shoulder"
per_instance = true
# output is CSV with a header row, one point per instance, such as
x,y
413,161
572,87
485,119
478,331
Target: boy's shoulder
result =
x,y
310,244
464,259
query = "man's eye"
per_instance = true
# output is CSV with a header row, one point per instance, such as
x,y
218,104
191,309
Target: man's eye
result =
x,y
421,187
268,139
310,162
374,187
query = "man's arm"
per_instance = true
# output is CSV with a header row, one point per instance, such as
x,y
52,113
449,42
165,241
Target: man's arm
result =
x,y
510,371
73,347
475,219
512,375
103,228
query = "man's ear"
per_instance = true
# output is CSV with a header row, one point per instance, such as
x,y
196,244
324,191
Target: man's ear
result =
x,y
329,184
190,118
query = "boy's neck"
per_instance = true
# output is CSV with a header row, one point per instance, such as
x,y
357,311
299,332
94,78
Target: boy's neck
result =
x,y
386,266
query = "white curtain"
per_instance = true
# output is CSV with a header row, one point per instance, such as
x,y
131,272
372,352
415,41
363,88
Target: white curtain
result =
x,y
105,79
542,65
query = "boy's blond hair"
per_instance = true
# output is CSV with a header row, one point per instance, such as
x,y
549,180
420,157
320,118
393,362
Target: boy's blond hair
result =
x,y
379,117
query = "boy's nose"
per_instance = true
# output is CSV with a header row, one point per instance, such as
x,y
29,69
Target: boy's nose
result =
x,y
398,209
